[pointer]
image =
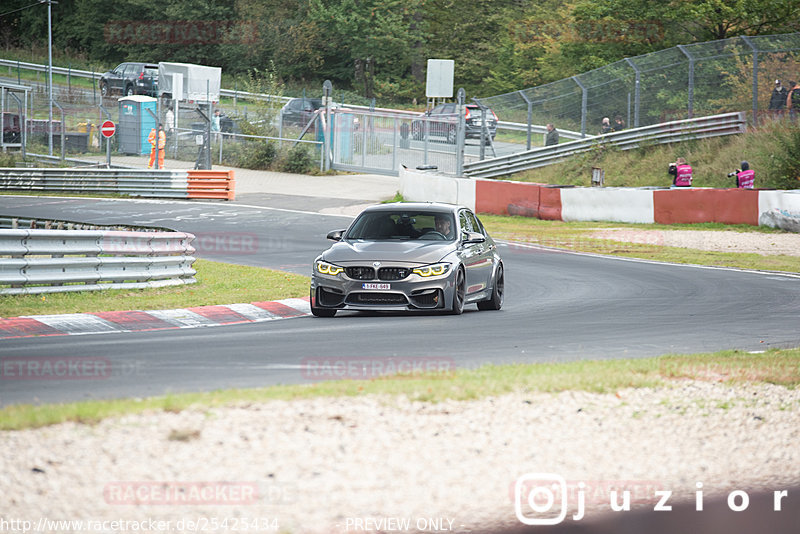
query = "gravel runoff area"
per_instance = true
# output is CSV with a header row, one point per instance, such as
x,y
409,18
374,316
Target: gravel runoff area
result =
x,y
393,465
721,241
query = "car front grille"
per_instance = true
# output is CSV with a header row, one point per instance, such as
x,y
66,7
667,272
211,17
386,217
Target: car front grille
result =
x,y
376,298
360,273
393,273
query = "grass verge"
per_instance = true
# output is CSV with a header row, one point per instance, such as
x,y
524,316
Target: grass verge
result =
x,y
217,283
575,236
777,366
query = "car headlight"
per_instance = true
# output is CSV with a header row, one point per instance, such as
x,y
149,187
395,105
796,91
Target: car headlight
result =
x,y
436,269
327,268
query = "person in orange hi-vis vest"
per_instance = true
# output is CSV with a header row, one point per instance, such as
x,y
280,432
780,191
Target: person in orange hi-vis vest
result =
x,y
162,142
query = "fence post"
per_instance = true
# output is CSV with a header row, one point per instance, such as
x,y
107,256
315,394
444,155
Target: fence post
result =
x,y
461,96
747,40
530,117
63,130
584,101
636,93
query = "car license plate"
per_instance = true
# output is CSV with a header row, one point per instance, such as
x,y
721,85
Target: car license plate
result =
x,y
376,286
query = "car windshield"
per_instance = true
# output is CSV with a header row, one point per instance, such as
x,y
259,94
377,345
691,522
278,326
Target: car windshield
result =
x,y
403,225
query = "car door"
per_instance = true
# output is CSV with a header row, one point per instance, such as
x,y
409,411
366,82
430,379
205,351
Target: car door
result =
x,y
487,251
117,81
477,257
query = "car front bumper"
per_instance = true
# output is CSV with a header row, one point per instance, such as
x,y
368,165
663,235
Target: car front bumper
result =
x,y
412,293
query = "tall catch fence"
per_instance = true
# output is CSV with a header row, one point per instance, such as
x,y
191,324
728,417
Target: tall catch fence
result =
x,y
682,82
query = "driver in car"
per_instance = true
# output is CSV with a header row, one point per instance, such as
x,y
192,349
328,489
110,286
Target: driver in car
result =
x,y
443,226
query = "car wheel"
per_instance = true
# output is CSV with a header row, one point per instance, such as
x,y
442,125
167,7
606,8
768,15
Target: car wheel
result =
x,y
320,312
495,302
129,91
103,89
459,294
416,131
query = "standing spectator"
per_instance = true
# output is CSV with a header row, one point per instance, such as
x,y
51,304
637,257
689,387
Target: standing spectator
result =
x,y
745,177
793,100
619,124
552,135
215,125
777,102
169,119
162,142
681,172
606,126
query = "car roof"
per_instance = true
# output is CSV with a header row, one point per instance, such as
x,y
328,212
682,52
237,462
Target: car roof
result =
x,y
432,206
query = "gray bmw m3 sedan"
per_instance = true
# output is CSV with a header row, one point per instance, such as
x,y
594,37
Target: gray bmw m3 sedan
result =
x,y
409,256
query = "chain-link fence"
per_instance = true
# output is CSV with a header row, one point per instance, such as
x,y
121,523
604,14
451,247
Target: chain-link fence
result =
x,y
252,133
687,81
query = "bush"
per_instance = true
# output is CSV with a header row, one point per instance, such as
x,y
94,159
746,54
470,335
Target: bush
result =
x,y
9,159
259,156
784,160
299,160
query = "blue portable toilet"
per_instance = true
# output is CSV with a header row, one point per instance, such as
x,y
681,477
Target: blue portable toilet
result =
x,y
136,119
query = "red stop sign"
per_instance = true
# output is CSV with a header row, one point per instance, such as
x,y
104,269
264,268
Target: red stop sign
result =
x,y
108,128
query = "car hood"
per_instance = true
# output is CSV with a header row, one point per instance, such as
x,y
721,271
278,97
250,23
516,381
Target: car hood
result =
x,y
417,252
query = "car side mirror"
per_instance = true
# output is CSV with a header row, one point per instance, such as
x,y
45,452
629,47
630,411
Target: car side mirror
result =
x,y
468,238
336,235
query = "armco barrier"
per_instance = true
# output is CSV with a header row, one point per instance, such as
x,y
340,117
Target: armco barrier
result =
x,y
57,261
686,206
218,185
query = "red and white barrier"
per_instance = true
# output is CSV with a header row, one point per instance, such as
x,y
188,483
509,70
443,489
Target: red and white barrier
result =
x,y
612,204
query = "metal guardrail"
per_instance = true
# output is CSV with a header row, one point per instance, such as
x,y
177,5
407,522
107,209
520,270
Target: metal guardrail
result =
x,y
57,261
539,129
12,222
668,132
130,182
96,76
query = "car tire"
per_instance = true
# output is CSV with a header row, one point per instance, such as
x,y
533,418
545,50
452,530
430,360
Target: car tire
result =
x,y
103,88
320,312
459,293
495,302
129,91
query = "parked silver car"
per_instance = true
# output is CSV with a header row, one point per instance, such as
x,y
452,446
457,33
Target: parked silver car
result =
x,y
409,256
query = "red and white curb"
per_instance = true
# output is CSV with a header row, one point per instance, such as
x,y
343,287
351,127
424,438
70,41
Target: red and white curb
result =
x,y
141,321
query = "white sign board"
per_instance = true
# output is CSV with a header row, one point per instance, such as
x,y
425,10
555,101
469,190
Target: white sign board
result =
x,y
200,82
439,82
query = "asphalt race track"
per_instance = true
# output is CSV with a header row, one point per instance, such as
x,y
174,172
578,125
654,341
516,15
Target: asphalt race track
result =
x,y
559,306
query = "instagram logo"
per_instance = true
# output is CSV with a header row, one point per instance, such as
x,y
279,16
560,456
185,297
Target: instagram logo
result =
x,y
540,491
